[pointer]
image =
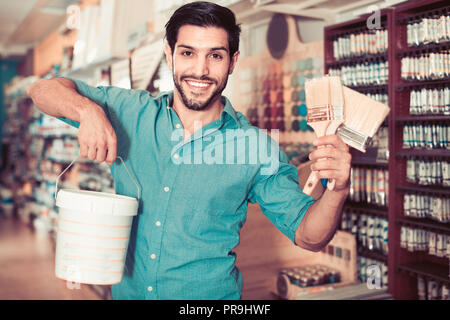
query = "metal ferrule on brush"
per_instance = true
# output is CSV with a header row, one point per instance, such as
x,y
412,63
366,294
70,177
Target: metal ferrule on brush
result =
x,y
319,113
353,138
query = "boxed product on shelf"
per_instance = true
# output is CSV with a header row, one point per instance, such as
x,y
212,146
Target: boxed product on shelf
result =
x,y
53,127
362,74
430,289
358,44
426,67
434,100
369,185
429,29
426,172
429,136
415,239
426,206
370,231
7,201
333,267
63,150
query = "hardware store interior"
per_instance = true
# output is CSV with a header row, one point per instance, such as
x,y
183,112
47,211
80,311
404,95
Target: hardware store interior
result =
x,y
392,238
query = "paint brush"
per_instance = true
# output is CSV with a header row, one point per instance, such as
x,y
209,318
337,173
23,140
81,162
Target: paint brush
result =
x,y
337,105
319,116
363,116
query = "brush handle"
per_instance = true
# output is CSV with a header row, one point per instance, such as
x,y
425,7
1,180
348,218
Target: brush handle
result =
x,y
311,183
320,128
332,128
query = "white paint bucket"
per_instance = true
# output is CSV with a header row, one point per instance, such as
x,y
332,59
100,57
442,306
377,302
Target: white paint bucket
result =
x,y
93,234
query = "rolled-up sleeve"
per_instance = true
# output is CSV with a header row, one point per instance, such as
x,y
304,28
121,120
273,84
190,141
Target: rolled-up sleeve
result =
x,y
111,99
281,198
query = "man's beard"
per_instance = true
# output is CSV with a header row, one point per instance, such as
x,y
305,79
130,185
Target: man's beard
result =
x,y
191,104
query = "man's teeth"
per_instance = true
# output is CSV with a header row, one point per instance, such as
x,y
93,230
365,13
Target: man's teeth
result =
x,y
198,84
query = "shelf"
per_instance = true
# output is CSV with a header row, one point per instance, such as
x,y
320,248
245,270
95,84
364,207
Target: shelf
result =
x,y
425,223
426,48
409,84
357,59
418,15
426,269
374,88
372,254
425,117
445,191
370,162
368,208
89,69
424,153
398,89
355,26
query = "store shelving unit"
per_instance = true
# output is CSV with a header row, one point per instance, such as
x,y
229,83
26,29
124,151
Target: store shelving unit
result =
x,y
407,265
369,159
403,266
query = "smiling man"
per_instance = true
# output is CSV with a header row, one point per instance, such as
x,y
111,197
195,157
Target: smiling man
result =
x,y
191,214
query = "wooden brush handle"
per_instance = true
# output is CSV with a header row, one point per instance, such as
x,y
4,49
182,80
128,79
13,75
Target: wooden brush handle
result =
x,y
311,183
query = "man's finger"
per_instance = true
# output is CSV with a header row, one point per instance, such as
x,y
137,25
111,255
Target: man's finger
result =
x,y
325,152
92,153
101,154
83,150
112,152
326,164
333,140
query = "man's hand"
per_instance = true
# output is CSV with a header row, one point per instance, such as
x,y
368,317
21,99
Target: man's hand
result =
x,y
96,136
332,160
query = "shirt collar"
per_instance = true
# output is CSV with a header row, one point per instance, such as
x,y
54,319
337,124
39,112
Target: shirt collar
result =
x,y
227,110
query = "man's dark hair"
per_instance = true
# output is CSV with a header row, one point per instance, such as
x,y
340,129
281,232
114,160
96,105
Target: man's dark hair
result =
x,y
204,14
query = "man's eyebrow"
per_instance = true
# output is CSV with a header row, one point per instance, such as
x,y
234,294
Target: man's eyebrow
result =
x,y
211,49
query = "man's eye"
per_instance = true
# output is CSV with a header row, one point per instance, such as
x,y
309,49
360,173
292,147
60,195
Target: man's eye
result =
x,y
187,53
216,56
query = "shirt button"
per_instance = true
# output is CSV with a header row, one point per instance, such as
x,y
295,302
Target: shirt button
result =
x,y
158,223
153,256
168,107
166,189
178,126
150,288
176,156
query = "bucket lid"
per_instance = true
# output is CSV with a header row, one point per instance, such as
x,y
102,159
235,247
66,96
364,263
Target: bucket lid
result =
x,y
97,202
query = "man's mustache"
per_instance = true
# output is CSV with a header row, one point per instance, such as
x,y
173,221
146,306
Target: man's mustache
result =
x,y
202,78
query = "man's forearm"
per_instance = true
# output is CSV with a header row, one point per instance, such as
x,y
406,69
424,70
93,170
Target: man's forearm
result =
x,y
59,98
321,220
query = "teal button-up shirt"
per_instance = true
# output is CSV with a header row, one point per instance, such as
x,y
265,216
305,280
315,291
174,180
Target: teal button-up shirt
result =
x,y
194,194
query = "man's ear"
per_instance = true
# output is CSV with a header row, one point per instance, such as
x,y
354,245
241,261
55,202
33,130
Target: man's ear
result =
x,y
234,60
168,54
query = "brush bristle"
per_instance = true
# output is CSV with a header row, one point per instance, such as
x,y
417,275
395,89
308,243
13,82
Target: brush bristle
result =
x,y
362,113
317,92
336,94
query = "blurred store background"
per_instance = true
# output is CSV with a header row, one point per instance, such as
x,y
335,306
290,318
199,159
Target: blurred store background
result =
x,y
119,43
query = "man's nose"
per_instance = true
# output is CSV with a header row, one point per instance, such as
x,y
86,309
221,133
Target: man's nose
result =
x,y
201,67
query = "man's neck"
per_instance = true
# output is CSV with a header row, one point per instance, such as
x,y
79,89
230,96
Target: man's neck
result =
x,y
191,119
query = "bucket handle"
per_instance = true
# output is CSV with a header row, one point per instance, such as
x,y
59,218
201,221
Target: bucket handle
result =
x,y
126,168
